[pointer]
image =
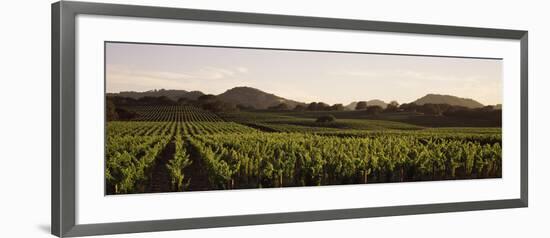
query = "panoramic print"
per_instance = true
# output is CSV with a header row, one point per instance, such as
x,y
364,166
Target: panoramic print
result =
x,y
183,118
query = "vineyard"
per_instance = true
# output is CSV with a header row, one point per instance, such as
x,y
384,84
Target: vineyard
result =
x,y
183,148
174,113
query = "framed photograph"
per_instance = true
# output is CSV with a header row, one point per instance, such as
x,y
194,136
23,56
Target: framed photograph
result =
x,y
167,119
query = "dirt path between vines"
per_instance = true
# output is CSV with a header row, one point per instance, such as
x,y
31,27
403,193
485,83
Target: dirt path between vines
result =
x,y
160,180
197,173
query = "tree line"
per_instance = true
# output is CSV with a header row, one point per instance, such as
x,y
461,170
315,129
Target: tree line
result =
x,y
116,107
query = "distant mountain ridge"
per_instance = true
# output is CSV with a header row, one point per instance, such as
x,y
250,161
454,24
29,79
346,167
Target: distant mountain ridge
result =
x,y
170,93
447,99
252,97
256,98
245,96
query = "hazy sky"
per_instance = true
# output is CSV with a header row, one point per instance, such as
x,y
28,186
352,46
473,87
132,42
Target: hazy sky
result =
x,y
302,76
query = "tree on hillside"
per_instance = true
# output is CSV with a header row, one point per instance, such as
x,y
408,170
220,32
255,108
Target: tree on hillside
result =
x,y
408,107
125,115
374,110
111,110
393,106
207,98
162,100
299,108
229,107
312,106
337,107
219,106
183,101
213,106
431,109
362,105
318,106
280,107
323,106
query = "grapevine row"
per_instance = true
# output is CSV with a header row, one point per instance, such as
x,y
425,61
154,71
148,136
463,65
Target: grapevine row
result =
x,y
184,113
276,160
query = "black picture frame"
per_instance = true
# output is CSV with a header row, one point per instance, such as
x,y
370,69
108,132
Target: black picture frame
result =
x,y
63,117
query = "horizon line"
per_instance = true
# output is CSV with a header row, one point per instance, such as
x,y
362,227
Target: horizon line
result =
x,y
387,102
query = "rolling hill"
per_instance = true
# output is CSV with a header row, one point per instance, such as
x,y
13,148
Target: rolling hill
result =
x,y
172,94
447,99
245,96
248,96
256,98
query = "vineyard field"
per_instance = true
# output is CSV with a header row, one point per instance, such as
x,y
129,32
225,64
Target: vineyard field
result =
x,y
185,148
174,113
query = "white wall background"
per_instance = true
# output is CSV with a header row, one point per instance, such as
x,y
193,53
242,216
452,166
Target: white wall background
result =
x,y
25,118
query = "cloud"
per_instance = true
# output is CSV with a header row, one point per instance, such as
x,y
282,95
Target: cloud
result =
x,y
242,69
355,73
215,73
123,78
417,76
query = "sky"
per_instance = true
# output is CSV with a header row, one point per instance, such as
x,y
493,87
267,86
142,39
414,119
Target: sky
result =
x,y
301,75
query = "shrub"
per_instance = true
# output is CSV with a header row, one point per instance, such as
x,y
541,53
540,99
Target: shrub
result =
x,y
328,118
